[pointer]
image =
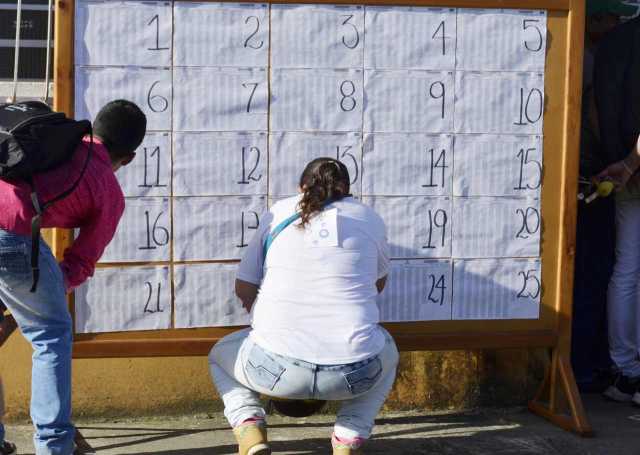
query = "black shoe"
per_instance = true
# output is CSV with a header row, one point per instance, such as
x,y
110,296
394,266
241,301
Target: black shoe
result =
x,y
6,448
622,389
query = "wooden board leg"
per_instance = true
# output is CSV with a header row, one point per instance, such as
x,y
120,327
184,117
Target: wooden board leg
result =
x,y
559,387
82,446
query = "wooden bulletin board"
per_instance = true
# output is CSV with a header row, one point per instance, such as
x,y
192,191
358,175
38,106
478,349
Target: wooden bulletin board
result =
x,y
558,398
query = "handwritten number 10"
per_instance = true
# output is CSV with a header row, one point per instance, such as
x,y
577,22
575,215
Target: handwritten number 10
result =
x,y
526,117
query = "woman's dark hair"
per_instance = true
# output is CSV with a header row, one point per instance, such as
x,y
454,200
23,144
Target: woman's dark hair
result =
x,y
121,126
323,181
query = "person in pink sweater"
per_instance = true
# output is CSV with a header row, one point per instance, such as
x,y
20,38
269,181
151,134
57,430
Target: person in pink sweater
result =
x,y
95,208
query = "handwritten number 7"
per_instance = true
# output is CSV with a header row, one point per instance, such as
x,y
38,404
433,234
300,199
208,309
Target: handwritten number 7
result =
x,y
253,91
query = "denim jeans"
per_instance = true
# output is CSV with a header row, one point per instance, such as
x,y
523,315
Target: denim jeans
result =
x,y
44,320
242,370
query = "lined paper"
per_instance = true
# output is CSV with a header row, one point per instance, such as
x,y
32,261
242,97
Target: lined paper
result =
x,y
499,103
410,38
409,101
496,227
144,232
492,165
289,153
417,291
417,227
139,33
149,174
422,164
497,289
221,34
316,100
121,299
215,228
501,40
317,36
149,88
216,164
204,296
220,99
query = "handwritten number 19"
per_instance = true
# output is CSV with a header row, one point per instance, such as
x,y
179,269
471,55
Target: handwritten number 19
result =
x,y
437,220
244,227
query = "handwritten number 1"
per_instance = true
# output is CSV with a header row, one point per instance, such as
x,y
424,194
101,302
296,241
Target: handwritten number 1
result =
x,y
156,19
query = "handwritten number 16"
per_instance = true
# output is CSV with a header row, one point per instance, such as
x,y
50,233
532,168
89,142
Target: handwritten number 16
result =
x,y
156,235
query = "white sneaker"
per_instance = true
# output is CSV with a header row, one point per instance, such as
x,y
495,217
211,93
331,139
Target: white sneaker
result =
x,y
623,389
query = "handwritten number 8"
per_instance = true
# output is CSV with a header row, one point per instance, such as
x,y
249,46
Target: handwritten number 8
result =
x,y
347,90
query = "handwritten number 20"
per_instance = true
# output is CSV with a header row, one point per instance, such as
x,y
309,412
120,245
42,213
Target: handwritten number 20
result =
x,y
530,222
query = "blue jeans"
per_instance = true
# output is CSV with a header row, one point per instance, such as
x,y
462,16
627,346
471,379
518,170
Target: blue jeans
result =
x,y
241,370
44,320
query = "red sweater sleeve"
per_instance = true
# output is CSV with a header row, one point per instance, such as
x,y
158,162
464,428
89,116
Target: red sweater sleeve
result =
x,y
95,234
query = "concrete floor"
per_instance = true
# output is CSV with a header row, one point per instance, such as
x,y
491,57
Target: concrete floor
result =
x,y
487,431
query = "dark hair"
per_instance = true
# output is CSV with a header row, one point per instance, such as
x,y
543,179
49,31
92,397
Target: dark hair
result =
x,y
323,181
121,126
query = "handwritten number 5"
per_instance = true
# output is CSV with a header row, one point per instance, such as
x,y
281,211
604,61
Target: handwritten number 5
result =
x,y
528,24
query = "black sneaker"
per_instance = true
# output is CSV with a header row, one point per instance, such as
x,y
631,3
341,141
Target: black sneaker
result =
x,y
622,389
6,448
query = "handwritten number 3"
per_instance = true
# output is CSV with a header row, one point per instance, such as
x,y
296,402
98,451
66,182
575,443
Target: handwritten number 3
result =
x,y
353,43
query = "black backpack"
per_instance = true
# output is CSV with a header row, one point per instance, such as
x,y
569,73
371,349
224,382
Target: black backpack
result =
x,y
35,139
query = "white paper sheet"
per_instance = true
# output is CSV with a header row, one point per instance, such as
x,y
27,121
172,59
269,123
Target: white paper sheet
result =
x,y
503,103
316,100
149,88
119,299
317,36
501,40
409,101
417,227
215,228
144,232
417,291
217,164
407,164
497,289
289,153
220,99
149,174
410,38
487,227
139,33
491,165
221,34
204,296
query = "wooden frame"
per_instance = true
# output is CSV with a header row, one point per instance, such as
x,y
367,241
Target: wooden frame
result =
x,y
558,399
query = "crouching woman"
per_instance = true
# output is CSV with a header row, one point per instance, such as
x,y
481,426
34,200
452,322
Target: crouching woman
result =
x,y
310,278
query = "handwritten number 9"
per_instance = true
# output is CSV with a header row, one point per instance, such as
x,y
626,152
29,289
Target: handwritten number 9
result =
x,y
533,47
157,103
347,90
353,43
528,227
437,91
247,42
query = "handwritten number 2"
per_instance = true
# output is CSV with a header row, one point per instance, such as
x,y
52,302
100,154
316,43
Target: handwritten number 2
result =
x,y
247,42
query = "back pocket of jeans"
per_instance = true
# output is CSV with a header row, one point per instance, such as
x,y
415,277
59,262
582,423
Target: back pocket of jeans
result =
x,y
362,379
14,261
262,369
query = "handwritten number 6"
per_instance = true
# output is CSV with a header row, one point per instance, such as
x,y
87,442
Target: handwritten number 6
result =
x,y
157,103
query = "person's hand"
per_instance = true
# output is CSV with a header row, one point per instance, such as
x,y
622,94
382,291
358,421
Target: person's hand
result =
x,y
619,173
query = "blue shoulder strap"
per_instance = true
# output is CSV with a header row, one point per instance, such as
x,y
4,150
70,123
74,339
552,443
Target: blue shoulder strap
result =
x,y
273,234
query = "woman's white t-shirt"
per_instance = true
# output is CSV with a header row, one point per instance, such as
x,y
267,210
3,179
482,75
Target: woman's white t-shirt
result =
x,y
317,297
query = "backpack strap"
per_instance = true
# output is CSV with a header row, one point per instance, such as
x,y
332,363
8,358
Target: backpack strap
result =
x,y
36,221
276,232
